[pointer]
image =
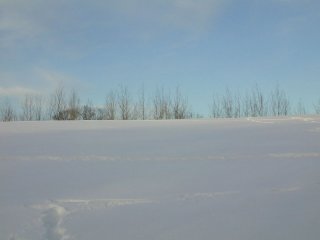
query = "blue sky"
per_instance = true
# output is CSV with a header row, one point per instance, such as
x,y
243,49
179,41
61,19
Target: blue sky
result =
x,y
202,46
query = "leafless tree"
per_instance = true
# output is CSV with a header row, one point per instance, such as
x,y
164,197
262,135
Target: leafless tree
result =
x,y
157,102
28,108
254,103
32,108
138,106
280,104
317,107
58,106
142,103
237,106
180,105
215,107
246,105
300,109
111,106
135,112
257,103
74,109
7,112
100,113
120,105
161,105
227,104
124,103
38,107
88,111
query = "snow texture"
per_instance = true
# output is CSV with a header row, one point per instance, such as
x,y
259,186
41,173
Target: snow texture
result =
x,y
255,178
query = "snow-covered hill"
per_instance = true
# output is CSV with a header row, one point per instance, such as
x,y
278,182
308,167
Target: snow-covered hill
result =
x,y
193,179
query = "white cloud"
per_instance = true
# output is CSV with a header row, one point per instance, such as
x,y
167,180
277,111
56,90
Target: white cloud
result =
x,y
194,14
49,79
292,1
18,22
37,81
16,91
52,222
15,237
292,155
18,25
52,78
50,23
181,14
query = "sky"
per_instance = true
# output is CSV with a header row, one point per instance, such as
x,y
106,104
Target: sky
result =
x,y
202,46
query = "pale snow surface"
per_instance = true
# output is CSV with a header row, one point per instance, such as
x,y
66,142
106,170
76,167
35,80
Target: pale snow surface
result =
x,y
256,178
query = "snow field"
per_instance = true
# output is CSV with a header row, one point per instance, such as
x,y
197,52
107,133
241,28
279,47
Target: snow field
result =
x,y
193,179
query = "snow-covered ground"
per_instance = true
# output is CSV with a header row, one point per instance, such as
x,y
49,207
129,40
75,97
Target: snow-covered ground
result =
x,y
194,179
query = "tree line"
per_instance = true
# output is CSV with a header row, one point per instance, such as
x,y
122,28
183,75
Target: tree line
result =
x,y
164,104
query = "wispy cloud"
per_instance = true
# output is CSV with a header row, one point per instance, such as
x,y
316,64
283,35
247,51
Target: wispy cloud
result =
x,y
194,15
171,14
39,81
293,1
53,78
18,22
52,222
34,19
49,79
16,91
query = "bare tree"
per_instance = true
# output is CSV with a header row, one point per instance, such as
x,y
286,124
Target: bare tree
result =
x,y
257,103
124,103
74,109
300,110
237,106
157,102
161,105
100,113
28,108
32,108
280,104
58,106
135,112
137,109
215,107
38,107
120,105
111,106
254,103
246,105
227,104
180,105
7,112
317,107
142,103
88,111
